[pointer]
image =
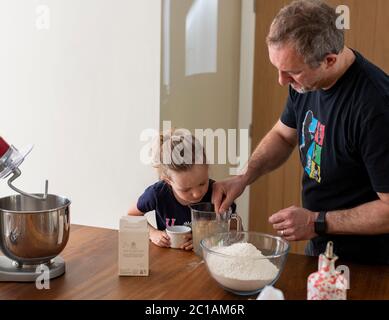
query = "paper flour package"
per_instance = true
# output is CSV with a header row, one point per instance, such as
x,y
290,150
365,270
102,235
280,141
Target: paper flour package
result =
x,y
133,246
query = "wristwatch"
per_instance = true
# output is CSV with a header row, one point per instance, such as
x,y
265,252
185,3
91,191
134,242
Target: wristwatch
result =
x,y
320,223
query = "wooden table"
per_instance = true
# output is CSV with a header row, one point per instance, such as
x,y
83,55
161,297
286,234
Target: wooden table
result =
x,y
92,273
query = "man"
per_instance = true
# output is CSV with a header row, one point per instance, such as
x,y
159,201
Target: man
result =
x,y
337,113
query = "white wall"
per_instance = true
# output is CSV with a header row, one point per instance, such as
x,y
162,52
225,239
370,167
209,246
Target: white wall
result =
x,y
187,100
208,99
246,89
81,91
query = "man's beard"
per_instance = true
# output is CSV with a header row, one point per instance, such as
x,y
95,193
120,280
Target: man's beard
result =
x,y
303,90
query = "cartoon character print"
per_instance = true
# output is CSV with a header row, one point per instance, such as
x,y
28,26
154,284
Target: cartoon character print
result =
x,y
168,224
312,141
173,222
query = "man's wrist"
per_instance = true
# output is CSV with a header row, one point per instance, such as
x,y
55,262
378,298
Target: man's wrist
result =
x,y
314,217
248,176
311,222
245,178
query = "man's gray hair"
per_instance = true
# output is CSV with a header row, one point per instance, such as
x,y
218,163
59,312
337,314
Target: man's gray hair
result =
x,y
310,25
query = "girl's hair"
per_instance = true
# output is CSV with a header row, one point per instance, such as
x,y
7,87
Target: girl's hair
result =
x,y
177,150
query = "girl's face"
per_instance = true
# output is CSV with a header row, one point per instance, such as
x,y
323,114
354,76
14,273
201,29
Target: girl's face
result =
x,y
190,186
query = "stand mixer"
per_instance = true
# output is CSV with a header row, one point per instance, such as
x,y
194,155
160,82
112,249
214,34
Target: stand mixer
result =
x,y
34,228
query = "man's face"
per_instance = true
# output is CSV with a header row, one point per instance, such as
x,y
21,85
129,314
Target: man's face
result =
x,y
292,70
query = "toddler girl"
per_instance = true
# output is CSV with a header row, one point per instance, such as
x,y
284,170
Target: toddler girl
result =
x,y
183,170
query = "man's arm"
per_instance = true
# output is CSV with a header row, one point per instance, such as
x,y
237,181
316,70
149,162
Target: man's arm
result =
x,y
368,219
371,218
274,149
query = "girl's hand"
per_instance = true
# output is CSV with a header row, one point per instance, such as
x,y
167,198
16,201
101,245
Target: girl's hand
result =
x,y
189,244
160,238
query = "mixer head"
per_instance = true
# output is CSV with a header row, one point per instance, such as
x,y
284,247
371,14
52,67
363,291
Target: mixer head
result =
x,y
10,160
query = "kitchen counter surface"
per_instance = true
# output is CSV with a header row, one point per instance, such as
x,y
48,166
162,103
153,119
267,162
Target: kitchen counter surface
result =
x,y
92,273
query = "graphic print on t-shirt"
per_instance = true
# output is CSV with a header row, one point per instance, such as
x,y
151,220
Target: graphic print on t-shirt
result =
x,y
168,224
312,140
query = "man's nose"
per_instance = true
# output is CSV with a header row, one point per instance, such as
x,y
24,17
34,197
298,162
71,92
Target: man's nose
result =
x,y
283,78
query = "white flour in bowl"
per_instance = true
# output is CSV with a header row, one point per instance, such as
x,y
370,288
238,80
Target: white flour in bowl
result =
x,y
247,269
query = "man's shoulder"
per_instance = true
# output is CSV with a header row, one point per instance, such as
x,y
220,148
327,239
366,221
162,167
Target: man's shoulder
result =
x,y
374,83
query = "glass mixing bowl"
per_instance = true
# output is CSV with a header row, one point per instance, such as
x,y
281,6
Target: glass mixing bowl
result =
x,y
234,261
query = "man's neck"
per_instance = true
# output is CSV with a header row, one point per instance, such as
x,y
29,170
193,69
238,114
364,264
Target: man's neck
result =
x,y
346,59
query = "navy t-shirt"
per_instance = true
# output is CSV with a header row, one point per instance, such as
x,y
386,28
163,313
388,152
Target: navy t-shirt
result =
x,y
344,149
168,211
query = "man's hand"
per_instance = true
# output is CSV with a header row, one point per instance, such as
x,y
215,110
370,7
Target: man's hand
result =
x,y
225,192
159,238
294,224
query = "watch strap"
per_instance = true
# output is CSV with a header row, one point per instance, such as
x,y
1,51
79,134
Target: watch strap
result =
x,y
320,223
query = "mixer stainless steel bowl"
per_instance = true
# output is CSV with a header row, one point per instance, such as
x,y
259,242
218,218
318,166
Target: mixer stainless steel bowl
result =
x,y
33,231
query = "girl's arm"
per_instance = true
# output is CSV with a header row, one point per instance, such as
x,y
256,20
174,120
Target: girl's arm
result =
x,y
133,211
160,238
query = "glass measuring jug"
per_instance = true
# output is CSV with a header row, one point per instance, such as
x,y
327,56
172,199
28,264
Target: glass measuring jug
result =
x,y
206,222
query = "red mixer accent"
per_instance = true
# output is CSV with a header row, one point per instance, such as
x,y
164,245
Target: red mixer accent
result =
x,y
10,165
4,146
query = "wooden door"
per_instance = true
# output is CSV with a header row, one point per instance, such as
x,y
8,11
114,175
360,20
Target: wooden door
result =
x,y
282,188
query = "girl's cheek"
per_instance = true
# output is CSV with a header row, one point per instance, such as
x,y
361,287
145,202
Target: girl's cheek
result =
x,y
183,195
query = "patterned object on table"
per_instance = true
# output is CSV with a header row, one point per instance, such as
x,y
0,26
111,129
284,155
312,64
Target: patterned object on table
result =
x,y
327,283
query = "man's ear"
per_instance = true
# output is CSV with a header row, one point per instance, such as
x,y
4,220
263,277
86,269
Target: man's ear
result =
x,y
330,60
